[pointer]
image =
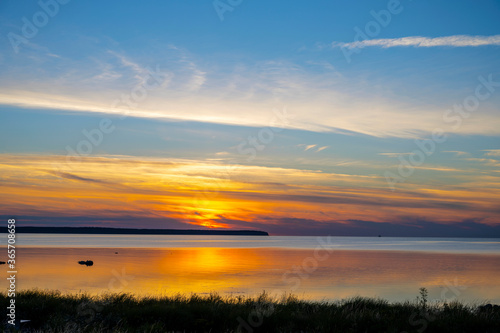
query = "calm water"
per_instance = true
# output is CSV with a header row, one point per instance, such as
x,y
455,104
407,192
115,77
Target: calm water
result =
x,y
310,267
451,245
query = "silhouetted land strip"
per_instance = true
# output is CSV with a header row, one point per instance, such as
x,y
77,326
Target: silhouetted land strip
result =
x,y
130,231
55,312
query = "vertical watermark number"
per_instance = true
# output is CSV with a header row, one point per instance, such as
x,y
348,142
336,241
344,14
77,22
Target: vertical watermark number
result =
x,y
11,271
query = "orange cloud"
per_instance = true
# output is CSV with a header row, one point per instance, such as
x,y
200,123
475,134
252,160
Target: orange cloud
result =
x,y
211,194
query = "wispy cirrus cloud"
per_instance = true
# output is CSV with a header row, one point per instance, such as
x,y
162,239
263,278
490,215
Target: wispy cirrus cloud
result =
x,y
242,95
456,152
418,41
315,147
394,154
492,152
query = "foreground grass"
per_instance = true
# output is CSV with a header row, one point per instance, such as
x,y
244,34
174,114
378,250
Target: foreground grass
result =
x,y
56,312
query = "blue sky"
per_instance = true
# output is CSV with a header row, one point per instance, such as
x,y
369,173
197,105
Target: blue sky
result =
x,y
205,86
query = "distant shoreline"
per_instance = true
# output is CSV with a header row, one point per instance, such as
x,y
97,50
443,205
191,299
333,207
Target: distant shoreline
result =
x,y
131,231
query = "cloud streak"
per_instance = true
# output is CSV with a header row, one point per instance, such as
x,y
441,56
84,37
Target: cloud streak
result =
x,y
199,192
78,178
243,95
492,152
417,41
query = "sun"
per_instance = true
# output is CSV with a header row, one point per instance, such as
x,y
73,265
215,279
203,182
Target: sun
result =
x,y
209,214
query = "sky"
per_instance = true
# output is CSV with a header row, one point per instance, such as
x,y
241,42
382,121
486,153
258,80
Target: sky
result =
x,y
293,117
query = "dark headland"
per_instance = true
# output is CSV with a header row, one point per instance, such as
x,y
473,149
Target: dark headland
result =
x,y
130,231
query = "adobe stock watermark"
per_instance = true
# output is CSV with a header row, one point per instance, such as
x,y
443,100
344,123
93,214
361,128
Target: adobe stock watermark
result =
x,y
450,292
265,135
94,137
250,147
372,29
87,312
454,116
293,278
30,28
223,6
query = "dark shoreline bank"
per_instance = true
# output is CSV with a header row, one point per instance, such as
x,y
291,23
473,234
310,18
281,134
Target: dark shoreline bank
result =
x,y
131,231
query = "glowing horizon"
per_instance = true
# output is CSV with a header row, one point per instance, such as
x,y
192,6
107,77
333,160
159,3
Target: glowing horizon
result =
x,y
325,118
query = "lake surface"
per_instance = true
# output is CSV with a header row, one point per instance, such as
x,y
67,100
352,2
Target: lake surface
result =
x,y
450,245
310,267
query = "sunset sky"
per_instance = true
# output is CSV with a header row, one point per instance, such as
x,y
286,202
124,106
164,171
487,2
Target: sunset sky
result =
x,y
293,117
